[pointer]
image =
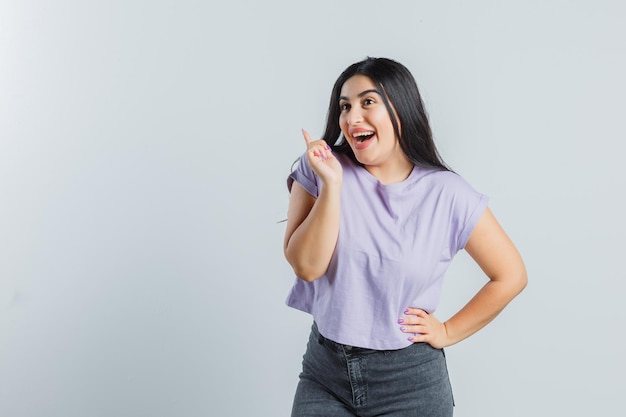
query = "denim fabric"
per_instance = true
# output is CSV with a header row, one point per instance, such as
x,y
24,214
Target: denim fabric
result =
x,y
339,380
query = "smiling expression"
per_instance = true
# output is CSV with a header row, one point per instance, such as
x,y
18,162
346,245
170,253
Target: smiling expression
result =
x,y
366,125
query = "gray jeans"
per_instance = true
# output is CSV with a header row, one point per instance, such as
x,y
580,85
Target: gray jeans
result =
x,y
339,380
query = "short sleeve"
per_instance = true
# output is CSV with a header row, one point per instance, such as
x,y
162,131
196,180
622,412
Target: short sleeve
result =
x,y
468,205
304,175
475,211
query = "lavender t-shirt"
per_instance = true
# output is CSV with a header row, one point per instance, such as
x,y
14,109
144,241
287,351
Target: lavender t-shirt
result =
x,y
395,243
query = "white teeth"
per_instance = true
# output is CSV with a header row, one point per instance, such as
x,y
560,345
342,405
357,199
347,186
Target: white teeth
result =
x,y
358,134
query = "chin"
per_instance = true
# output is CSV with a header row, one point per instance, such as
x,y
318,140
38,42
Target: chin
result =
x,y
363,161
360,157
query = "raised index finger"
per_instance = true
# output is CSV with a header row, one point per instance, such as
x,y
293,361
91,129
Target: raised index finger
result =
x,y
307,138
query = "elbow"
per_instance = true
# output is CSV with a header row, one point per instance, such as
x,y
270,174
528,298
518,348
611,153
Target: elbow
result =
x,y
523,281
520,282
308,273
512,283
304,270
307,276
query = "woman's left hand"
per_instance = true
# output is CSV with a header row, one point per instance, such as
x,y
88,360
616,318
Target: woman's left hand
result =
x,y
424,327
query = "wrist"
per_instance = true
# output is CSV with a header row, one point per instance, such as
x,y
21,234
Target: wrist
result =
x,y
332,186
449,341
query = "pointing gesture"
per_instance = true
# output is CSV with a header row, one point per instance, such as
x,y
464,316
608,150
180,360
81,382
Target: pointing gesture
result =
x,y
322,160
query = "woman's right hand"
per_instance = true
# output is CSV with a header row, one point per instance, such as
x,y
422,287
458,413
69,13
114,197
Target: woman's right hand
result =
x,y
322,160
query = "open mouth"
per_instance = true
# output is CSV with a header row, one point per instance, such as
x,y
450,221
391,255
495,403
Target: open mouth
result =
x,y
362,137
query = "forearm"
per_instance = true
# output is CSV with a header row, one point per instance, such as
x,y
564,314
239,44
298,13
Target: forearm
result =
x,y
483,308
310,247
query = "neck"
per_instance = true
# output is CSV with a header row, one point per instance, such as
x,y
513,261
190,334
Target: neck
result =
x,y
391,173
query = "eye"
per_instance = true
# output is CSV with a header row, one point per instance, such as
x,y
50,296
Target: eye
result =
x,y
368,101
344,106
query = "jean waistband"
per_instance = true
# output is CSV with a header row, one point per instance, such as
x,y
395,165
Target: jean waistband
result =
x,y
339,347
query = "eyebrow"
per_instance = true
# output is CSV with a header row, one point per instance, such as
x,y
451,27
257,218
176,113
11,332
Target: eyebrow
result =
x,y
362,93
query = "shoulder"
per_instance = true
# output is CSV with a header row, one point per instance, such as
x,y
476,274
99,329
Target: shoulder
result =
x,y
443,180
451,189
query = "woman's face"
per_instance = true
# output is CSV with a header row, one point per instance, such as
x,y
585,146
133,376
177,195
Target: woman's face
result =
x,y
366,124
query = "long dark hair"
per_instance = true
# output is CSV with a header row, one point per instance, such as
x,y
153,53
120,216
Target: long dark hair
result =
x,y
399,91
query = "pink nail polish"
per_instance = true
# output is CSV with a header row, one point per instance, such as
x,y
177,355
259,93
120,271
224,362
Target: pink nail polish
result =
x,y
400,321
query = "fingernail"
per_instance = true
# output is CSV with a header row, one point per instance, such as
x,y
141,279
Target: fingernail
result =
x,y
410,339
327,147
400,321
406,311
402,328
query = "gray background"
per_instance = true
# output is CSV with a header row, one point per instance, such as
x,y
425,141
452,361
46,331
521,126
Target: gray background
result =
x,y
144,147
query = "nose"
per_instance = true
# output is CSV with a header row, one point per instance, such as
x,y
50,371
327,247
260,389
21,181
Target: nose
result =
x,y
355,116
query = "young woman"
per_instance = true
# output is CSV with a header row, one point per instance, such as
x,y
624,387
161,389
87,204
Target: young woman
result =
x,y
374,220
